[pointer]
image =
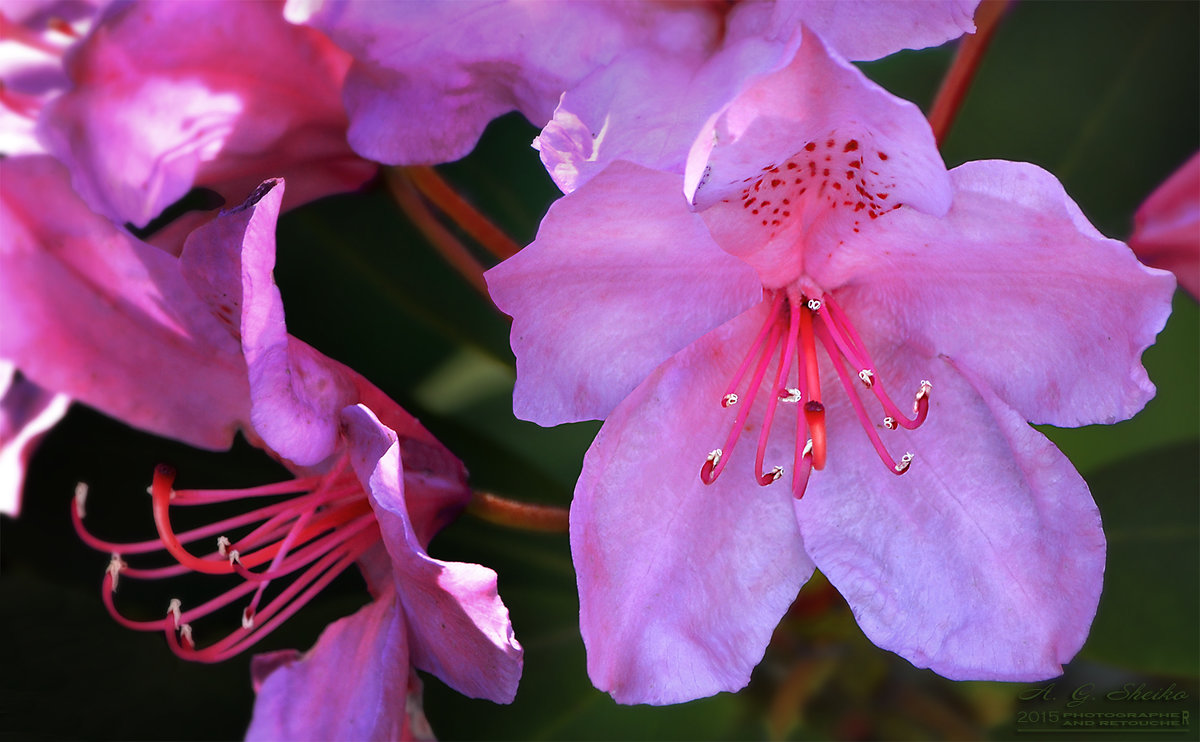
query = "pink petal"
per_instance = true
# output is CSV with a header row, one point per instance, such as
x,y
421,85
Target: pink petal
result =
x,y
681,584
1166,232
984,560
807,155
611,288
428,77
1015,285
168,96
352,685
868,29
93,313
27,412
296,393
458,627
648,108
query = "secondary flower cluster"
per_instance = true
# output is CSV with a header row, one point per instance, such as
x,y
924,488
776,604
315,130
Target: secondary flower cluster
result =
x,y
813,346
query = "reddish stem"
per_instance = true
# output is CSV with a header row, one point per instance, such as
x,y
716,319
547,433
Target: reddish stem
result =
x,y
522,515
962,70
440,194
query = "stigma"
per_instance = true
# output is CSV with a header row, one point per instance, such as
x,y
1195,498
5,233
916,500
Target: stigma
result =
x,y
278,556
789,335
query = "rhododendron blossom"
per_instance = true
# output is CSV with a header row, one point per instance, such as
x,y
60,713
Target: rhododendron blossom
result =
x,y
1166,228
823,354
167,96
429,76
371,486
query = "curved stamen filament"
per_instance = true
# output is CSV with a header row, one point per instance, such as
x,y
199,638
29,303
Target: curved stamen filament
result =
x,y
785,365
731,398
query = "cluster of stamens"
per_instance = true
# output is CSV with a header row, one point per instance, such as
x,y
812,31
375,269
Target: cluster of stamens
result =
x,y
793,325
323,526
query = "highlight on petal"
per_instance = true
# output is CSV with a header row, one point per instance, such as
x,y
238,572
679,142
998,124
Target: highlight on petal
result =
x,y
1015,285
608,291
863,30
27,412
984,561
165,97
681,584
458,627
813,148
107,320
429,76
353,684
1166,227
296,393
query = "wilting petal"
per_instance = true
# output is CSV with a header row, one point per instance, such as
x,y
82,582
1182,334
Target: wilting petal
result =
x,y
681,584
984,561
93,313
27,412
296,393
1016,285
807,155
867,29
458,626
352,685
1166,231
218,94
429,76
610,289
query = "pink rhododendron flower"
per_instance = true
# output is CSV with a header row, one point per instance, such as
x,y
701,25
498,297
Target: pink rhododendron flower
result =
x,y
371,486
647,107
167,96
1166,231
429,76
736,457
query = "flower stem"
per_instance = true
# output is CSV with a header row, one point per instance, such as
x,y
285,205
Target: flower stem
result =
x,y
521,515
451,249
958,78
482,230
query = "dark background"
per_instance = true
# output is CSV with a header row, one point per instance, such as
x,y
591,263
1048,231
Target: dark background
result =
x,y
1104,95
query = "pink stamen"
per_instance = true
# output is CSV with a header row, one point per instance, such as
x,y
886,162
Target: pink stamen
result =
x,y
785,365
313,536
731,397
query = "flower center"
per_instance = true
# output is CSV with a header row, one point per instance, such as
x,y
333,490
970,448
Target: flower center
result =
x,y
793,325
307,539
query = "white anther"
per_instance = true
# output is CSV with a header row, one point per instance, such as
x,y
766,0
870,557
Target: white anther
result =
x,y
247,618
115,565
714,456
905,460
175,611
223,545
814,305
790,395
867,376
889,422
185,635
808,447
776,473
234,557
926,387
729,400
81,492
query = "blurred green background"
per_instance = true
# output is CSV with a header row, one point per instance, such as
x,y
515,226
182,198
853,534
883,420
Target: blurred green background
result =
x,y
1105,95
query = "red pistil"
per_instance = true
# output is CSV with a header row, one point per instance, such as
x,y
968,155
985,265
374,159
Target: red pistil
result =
x,y
793,324
310,538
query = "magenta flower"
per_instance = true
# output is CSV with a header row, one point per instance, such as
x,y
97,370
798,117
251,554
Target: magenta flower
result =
x,y
902,464
647,107
1166,231
372,486
429,76
168,96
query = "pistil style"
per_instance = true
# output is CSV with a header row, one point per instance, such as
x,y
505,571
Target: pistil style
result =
x,y
794,323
